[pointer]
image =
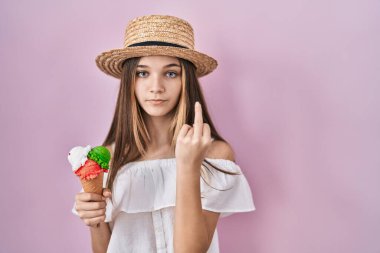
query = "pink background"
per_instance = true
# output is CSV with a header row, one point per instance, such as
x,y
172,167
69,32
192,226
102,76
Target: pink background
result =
x,y
297,94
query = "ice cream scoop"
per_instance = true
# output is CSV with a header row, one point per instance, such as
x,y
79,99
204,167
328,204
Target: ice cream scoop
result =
x,y
78,156
101,155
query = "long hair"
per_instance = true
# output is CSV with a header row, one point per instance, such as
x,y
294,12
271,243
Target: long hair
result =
x,y
128,129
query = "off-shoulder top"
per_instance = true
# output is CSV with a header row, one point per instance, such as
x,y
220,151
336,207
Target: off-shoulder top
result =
x,y
141,212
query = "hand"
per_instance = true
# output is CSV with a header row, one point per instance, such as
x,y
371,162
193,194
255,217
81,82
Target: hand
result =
x,y
91,207
193,142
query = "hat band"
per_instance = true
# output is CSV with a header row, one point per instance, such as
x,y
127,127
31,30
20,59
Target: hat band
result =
x,y
155,43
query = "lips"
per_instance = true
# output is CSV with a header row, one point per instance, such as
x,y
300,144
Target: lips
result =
x,y
156,101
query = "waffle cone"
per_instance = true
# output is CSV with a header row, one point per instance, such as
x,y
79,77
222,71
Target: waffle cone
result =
x,y
93,185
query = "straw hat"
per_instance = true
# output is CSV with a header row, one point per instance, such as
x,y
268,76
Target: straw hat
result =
x,y
156,35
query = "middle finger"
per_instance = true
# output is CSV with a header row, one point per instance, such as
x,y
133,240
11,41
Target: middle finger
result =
x,y
198,121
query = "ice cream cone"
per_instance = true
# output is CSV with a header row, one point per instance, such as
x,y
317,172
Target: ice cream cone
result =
x,y
89,164
93,185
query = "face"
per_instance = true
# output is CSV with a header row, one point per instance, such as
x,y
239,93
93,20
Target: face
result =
x,y
158,84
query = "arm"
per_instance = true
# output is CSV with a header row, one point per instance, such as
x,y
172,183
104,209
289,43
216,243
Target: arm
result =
x,y
193,227
192,224
100,237
91,209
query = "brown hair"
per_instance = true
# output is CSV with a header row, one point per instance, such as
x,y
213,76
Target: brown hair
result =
x,y
128,130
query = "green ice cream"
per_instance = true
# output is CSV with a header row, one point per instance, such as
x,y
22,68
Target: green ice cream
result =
x,y
100,155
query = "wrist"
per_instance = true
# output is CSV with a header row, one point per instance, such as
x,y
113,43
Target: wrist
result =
x,y
188,169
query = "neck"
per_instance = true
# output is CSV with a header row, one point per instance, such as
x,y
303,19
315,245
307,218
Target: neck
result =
x,y
158,128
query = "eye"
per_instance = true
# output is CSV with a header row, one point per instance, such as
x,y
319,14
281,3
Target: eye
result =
x,y
141,73
171,74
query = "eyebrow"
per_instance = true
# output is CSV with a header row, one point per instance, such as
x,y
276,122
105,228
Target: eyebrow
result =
x,y
167,66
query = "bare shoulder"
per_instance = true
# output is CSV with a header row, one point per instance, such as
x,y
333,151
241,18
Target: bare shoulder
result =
x,y
220,150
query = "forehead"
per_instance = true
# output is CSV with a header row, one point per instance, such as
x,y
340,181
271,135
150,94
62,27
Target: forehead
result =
x,y
158,60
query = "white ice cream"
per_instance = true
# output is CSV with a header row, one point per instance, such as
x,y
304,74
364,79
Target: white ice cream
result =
x,y
78,156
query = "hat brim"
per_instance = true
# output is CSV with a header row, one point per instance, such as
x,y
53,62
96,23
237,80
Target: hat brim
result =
x,y
110,62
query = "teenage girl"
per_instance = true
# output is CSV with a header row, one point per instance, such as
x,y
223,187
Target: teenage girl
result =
x,y
172,175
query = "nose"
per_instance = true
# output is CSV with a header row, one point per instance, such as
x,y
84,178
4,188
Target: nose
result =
x,y
157,85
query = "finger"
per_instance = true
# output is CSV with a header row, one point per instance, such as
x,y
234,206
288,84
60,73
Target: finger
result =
x,y
90,206
107,193
184,129
92,214
190,133
198,121
87,196
206,132
94,221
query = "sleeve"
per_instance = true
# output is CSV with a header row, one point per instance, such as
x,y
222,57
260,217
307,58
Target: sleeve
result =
x,y
224,193
108,202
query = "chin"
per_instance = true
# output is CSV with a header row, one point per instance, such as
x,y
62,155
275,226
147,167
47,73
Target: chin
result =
x,y
157,113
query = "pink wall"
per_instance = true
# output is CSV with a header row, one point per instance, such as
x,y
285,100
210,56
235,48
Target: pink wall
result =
x,y
297,93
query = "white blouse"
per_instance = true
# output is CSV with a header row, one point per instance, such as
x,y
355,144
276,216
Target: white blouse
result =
x,y
141,213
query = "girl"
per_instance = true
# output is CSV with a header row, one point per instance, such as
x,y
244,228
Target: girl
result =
x,y
172,175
